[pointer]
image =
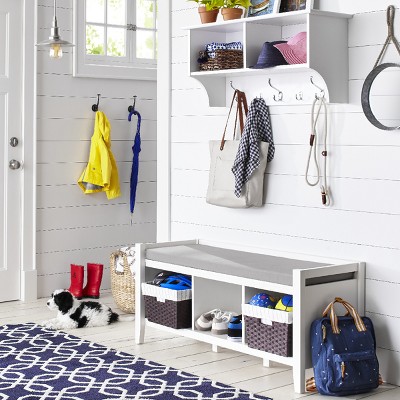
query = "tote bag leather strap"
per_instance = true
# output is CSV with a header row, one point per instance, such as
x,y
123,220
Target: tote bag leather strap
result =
x,y
241,105
350,309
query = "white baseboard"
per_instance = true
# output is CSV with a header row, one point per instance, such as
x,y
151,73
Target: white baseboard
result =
x,y
29,285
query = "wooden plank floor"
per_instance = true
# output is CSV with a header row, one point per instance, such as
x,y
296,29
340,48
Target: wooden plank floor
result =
x,y
243,371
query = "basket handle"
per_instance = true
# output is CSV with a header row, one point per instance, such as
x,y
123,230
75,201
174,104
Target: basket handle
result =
x,y
350,309
113,258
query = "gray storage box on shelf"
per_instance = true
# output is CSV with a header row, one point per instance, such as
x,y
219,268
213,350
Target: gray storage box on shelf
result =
x,y
168,307
268,329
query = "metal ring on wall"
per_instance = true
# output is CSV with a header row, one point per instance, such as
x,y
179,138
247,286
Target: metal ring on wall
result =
x,y
366,89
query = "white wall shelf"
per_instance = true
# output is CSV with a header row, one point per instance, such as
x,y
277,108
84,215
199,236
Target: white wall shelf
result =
x,y
327,63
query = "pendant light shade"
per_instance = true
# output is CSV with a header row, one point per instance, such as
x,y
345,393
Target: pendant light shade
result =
x,y
54,42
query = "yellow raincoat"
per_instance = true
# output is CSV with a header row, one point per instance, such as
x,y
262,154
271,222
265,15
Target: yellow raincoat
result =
x,y
101,173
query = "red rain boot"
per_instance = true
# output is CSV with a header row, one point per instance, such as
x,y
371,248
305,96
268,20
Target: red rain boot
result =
x,y
94,275
76,287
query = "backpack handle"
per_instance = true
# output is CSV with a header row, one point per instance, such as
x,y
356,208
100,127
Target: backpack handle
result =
x,y
350,309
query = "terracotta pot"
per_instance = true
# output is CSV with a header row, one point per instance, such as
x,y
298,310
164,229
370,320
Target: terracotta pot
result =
x,y
231,13
208,16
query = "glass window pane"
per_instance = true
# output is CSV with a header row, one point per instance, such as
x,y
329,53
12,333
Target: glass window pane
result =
x,y
95,11
116,12
94,39
116,42
144,44
145,13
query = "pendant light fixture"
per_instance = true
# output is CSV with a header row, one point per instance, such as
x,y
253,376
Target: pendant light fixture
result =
x,y
55,43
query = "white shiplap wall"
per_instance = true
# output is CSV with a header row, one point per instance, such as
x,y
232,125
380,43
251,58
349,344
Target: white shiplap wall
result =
x,y
73,227
364,221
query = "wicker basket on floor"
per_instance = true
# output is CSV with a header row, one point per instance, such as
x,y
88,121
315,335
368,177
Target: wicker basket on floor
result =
x,y
122,283
224,59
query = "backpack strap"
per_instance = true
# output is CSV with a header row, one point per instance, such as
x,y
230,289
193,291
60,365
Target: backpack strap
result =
x,y
350,309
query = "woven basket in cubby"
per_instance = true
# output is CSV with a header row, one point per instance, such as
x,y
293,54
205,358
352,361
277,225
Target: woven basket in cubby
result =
x,y
268,329
224,59
168,307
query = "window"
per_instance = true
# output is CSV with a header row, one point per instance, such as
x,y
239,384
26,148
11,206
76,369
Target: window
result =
x,y
115,38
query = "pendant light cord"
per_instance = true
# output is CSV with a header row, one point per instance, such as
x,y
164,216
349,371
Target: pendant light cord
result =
x,y
313,149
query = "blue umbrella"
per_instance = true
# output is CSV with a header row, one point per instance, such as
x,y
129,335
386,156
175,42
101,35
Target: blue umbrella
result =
x,y
135,162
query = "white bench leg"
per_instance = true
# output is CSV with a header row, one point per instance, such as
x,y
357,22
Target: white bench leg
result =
x,y
299,378
140,321
268,363
300,314
215,348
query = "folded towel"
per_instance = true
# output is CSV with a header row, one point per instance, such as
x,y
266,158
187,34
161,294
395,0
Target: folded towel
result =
x,y
211,47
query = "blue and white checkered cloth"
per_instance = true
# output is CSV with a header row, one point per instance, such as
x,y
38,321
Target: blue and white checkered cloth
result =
x,y
257,128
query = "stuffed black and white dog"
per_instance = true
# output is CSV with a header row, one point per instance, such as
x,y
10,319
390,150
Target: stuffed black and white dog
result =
x,y
73,313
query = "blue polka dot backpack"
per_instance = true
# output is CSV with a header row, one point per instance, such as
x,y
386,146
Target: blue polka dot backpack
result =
x,y
343,353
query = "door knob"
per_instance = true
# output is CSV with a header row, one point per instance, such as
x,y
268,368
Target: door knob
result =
x,y
14,164
14,142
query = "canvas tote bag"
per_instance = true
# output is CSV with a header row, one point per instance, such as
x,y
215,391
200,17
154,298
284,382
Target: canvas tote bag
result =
x,y
221,184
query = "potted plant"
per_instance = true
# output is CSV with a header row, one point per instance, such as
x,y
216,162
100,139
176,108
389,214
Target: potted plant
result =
x,y
209,9
232,10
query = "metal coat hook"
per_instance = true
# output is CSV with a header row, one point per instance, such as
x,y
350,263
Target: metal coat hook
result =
x,y
322,91
231,83
132,107
278,97
95,107
299,96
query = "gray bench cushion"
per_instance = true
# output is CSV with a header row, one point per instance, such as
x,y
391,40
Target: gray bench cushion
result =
x,y
232,262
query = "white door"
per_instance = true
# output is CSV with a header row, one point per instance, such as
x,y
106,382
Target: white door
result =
x,y
10,151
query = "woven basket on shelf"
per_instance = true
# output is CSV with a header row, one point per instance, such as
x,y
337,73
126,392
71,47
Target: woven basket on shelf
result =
x,y
224,59
275,337
122,283
168,307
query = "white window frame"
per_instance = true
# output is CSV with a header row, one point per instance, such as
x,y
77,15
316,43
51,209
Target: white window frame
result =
x,y
89,66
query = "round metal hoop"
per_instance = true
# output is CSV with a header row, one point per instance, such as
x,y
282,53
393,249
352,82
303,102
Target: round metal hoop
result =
x,y
365,93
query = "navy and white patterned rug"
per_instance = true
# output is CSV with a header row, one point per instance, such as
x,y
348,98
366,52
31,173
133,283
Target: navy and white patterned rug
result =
x,y
37,363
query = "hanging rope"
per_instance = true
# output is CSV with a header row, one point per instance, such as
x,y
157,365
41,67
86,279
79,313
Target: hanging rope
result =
x,y
313,149
390,23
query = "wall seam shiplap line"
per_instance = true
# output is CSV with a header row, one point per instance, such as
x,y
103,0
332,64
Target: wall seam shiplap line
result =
x,y
284,235
85,162
94,205
332,208
80,249
86,119
74,183
384,315
74,228
301,175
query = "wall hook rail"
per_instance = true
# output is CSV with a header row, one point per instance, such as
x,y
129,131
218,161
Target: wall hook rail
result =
x,y
233,87
95,107
299,96
321,91
279,95
132,107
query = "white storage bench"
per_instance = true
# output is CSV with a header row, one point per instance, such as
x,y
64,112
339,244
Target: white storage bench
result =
x,y
226,276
